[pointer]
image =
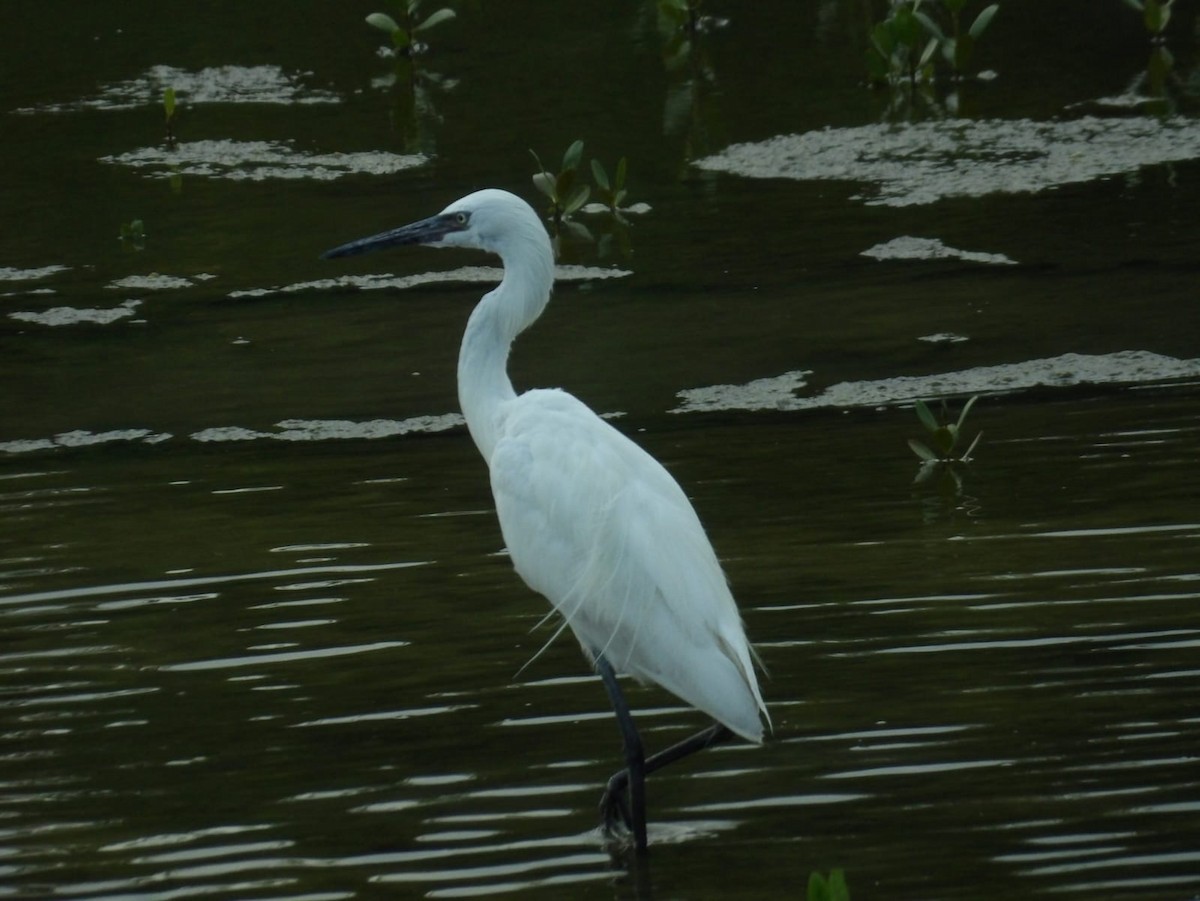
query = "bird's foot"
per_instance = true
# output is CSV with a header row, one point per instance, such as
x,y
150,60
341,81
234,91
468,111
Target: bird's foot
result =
x,y
621,822
614,806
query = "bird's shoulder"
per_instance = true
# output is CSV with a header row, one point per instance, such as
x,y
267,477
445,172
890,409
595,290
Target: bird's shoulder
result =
x,y
549,435
547,405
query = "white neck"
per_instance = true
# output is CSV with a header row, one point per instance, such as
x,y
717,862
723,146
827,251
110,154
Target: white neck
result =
x,y
502,314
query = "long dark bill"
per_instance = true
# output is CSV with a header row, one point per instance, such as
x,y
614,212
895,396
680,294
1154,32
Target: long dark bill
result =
x,y
427,231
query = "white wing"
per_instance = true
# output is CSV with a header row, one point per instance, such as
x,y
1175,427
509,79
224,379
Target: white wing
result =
x,y
601,529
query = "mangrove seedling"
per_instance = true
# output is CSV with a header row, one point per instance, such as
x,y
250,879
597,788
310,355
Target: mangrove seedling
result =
x,y
940,463
1155,14
404,33
565,193
900,48
943,458
831,888
133,235
568,193
169,115
681,25
943,436
905,45
683,15
957,45
610,193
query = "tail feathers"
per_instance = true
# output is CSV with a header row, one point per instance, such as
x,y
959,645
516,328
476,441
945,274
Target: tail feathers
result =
x,y
724,687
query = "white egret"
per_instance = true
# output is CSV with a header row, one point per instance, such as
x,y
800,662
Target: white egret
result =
x,y
592,521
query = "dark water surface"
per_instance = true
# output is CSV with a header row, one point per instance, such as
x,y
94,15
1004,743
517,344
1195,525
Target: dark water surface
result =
x,y
259,636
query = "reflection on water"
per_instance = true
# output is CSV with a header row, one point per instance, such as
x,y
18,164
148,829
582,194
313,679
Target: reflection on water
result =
x,y
1004,695
911,248
218,84
1065,371
921,163
259,160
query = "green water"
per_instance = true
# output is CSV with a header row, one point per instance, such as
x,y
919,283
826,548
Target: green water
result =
x,y
250,652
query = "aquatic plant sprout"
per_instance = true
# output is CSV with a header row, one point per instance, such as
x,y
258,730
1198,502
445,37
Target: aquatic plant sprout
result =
x,y
404,36
943,436
565,195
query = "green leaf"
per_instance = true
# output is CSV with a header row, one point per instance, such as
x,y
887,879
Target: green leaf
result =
x,y
927,418
675,10
677,53
838,889
883,39
926,455
579,232
927,53
577,199
563,183
544,182
169,102
950,48
982,21
383,22
970,450
927,471
954,6
1158,14
963,48
929,25
906,28
818,888
962,417
572,156
1135,4
619,198
436,18
134,231
943,441
619,181
600,176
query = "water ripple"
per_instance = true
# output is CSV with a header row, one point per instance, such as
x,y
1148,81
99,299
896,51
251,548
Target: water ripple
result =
x,y
87,591
281,657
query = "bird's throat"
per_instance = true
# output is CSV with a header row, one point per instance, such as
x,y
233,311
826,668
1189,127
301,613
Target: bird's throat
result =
x,y
483,382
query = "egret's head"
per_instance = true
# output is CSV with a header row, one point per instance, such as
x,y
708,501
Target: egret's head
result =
x,y
487,220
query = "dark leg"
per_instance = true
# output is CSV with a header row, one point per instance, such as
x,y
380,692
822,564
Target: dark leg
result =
x,y
633,812
613,801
